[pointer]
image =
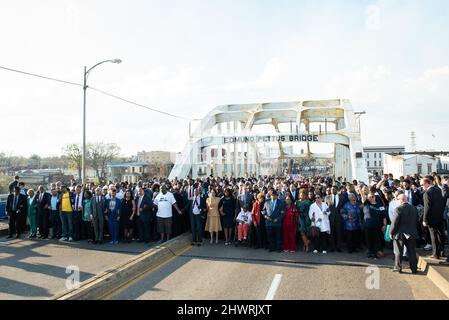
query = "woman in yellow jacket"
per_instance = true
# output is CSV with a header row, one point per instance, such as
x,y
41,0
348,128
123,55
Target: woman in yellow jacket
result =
x,y
213,223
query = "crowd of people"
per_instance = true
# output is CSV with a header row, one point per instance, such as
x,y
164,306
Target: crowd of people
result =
x,y
274,213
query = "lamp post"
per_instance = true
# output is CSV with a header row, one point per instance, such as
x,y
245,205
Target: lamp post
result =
x,y
86,75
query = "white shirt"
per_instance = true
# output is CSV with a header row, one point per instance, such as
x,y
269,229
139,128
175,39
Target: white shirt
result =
x,y
244,217
335,199
196,206
120,195
164,204
324,224
391,207
78,201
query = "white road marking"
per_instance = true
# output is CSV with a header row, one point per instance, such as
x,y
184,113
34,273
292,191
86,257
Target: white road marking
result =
x,y
274,287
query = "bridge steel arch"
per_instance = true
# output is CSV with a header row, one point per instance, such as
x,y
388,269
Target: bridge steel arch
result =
x,y
225,141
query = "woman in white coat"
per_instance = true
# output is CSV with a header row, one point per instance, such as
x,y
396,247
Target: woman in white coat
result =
x,y
319,215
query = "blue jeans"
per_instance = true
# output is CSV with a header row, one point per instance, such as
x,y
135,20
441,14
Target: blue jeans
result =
x,y
67,224
113,228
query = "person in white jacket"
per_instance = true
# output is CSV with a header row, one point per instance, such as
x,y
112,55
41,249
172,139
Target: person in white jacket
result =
x,y
243,224
319,215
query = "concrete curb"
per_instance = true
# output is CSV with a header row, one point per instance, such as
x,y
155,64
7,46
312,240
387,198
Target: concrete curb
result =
x,y
432,273
4,227
109,281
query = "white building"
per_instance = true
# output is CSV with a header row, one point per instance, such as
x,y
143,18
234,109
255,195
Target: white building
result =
x,y
374,157
409,164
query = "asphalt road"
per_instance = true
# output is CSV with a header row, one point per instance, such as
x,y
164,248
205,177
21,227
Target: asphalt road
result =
x,y
218,272
36,269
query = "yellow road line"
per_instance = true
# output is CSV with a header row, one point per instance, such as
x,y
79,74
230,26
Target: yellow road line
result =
x,y
142,275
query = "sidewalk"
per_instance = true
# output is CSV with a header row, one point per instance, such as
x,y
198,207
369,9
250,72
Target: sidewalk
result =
x,y
437,273
32,269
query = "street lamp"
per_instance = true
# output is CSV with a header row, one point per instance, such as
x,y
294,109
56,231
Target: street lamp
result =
x,y
86,75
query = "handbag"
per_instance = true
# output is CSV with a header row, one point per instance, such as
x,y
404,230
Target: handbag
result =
x,y
387,233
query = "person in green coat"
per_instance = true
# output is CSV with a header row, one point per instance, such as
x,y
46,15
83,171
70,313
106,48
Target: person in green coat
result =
x,y
32,212
303,205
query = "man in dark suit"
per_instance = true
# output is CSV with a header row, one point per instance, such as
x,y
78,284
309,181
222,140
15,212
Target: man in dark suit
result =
x,y
16,208
196,210
274,216
433,215
294,193
336,220
98,214
43,212
144,208
77,213
404,232
412,198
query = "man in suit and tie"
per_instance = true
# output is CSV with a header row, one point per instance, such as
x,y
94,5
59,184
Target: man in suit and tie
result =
x,y
196,211
433,215
412,198
98,215
336,220
404,232
43,212
274,214
77,213
294,192
144,209
16,209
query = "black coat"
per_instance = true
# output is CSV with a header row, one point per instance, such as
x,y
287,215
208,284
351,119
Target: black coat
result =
x,y
45,205
405,221
22,204
434,205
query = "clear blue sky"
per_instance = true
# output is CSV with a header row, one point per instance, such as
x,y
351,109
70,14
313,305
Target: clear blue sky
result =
x,y
390,58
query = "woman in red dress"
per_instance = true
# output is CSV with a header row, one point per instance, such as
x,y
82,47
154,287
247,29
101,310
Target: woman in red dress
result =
x,y
289,226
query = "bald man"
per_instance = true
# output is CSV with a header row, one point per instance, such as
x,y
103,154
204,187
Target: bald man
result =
x,y
404,232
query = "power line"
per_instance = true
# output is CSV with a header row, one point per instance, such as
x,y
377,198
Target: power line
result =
x,y
138,104
40,76
94,89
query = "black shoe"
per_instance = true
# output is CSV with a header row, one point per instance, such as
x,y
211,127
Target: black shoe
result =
x,y
18,236
414,271
199,244
10,236
397,270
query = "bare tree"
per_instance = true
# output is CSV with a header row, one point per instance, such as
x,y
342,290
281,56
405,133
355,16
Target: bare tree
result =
x,y
100,154
73,152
